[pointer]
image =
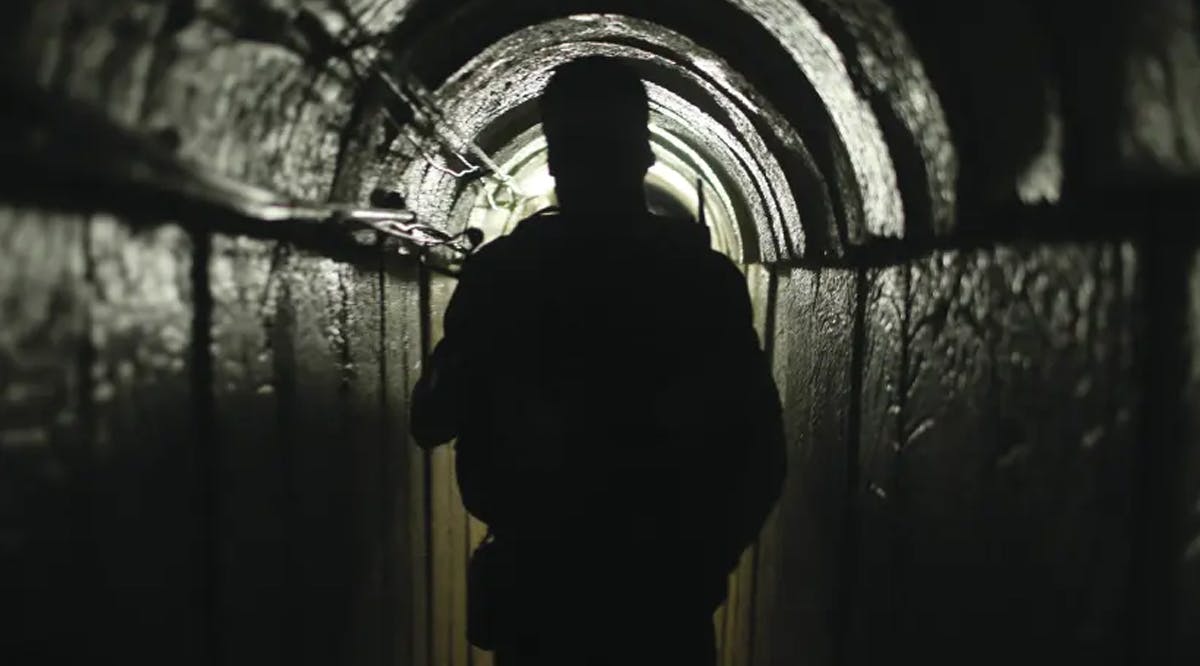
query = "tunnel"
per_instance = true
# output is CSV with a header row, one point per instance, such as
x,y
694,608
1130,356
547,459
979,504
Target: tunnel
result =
x,y
229,230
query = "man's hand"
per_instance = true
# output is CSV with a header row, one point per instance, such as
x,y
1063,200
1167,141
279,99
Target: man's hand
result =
x,y
439,397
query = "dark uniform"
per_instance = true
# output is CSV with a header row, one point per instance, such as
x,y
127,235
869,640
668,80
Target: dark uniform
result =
x,y
618,430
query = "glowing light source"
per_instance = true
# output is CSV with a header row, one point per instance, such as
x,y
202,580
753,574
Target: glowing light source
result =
x,y
673,179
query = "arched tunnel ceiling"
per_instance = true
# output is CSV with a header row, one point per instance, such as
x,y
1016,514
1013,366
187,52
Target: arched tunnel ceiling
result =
x,y
850,136
884,62
798,67
855,125
233,92
711,112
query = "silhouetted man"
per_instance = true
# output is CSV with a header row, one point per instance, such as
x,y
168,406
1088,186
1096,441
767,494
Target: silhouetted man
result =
x,y
618,429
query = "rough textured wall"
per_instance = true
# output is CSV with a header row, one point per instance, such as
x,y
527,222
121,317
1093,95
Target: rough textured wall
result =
x,y
962,462
43,438
102,515
1184,551
799,576
203,439
997,470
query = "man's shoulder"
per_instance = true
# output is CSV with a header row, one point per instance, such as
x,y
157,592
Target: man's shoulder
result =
x,y
682,240
529,232
551,225
684,232
503,249
688,238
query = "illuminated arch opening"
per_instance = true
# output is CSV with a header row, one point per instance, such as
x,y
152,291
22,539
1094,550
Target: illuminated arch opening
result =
x,y
706,126
673,188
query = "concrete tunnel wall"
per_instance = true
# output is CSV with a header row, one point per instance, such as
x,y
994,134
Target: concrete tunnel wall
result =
x,y
986,357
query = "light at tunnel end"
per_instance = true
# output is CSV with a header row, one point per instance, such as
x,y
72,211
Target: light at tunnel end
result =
x,y
707,125
672,189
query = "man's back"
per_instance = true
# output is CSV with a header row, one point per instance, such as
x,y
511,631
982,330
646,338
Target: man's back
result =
x,y
613,375
618,428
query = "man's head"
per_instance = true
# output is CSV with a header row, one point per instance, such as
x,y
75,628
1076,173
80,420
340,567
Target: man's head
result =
x,y
595,114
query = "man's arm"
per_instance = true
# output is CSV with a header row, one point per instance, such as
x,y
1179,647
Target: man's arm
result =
x,y
440,397
758,459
